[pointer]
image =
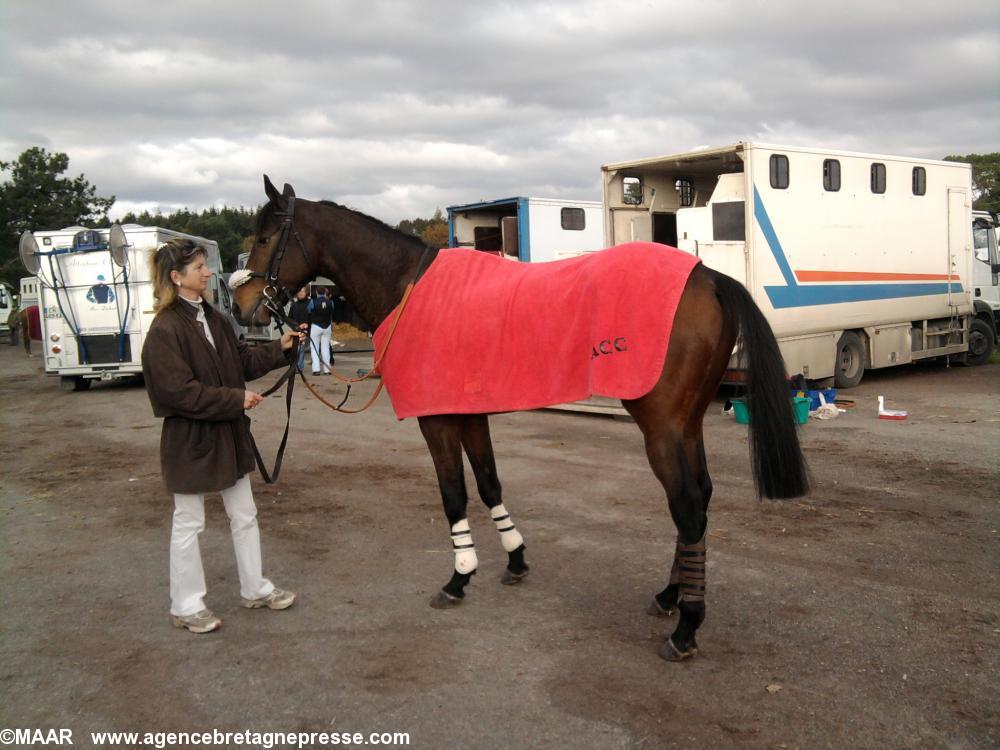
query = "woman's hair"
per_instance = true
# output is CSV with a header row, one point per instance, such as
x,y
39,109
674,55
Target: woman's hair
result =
x,y
174,255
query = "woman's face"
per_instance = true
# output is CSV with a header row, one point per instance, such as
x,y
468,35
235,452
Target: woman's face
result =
x,y
302,293
194,278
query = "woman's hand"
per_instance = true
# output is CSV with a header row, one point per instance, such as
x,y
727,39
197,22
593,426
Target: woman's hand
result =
x,y
290,339
251,399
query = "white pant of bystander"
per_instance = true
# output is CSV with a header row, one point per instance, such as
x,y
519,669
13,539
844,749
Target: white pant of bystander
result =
x,y
320,347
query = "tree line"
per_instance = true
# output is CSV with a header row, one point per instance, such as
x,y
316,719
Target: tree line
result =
x,y
35,194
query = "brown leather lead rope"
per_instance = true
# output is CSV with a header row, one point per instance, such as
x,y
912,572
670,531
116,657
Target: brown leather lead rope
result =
x,y
326,403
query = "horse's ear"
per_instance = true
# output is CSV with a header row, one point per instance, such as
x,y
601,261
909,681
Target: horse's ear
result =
x,y
272,194
288,191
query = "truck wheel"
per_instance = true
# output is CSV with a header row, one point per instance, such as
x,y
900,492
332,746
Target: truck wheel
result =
x,y
981,342
72,383
851,361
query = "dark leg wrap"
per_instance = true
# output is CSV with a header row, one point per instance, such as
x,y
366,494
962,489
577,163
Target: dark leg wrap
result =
x,y
691,570
692,605
456,586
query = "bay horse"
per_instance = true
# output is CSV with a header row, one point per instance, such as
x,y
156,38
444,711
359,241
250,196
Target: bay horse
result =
x,y
297,240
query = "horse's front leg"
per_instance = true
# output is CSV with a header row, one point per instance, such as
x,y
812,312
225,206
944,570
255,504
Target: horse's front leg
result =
x,y
443,436
479,448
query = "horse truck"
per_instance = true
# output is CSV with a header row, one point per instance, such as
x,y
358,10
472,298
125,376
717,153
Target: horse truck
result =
x,y
859,261
527,229
96,297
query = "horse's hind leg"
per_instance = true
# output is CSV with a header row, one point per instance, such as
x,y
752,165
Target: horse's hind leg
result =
x,y
443,436
675,459
664,603
670,417
479,449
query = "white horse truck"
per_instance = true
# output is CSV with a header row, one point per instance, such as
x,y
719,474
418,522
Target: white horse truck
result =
x,y
986,266
96,297
527,229
859,261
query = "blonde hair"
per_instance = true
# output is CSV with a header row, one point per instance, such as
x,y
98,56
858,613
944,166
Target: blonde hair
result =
x,y
174,255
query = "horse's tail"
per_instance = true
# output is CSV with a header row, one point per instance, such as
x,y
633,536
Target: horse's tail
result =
x,y
779,468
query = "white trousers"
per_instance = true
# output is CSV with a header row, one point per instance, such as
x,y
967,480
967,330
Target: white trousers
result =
x,y
320,349
187,577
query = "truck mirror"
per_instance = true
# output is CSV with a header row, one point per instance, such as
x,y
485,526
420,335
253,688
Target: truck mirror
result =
x,y
118,244
28,249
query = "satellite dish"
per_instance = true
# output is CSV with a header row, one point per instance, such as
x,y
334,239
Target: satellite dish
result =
x,y
28,248
118,244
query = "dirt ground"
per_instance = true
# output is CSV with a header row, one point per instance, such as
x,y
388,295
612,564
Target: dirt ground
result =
x,y
870,608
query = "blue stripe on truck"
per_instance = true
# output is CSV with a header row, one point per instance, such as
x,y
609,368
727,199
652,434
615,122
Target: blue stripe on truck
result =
x,y
792,294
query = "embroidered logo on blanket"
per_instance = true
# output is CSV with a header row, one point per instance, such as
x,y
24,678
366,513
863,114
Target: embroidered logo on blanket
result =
x,y
609,346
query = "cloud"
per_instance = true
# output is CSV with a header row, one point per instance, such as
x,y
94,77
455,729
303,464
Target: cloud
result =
x,y
399,108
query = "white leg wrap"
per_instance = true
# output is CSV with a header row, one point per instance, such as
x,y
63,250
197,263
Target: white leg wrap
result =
x,y
465,551
510,537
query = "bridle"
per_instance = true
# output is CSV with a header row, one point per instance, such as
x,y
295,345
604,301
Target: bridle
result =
x,y
275,294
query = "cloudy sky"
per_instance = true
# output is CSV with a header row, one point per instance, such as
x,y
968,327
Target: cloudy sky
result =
x,y
397,108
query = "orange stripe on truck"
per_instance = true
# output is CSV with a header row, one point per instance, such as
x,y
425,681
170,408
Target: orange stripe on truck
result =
x,y
804,276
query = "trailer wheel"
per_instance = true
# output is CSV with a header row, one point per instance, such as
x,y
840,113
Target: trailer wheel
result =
x,y
981,342
851,361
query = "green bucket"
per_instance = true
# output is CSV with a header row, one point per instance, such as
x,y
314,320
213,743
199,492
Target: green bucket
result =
x,y
800,407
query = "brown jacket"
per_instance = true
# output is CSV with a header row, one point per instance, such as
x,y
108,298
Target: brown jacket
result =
x,y
198,390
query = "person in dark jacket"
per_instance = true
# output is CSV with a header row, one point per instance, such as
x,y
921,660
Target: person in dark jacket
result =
x,y
298,311
195,372
321,320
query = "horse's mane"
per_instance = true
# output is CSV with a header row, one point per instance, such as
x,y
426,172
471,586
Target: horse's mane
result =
x,y
372,220
268,208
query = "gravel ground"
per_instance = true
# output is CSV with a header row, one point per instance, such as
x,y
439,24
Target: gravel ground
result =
x,y
863,615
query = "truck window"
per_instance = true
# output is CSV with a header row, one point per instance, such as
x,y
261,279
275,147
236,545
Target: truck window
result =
x,y
981,240
779,171
685,191
631,191
919,181
878,178
573,219
831,175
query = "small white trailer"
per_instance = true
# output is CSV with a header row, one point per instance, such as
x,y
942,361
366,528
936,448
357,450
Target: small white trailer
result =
x,y
527,229
858,261
96,299
29,291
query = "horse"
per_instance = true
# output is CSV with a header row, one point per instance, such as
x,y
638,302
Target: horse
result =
x,y
374,266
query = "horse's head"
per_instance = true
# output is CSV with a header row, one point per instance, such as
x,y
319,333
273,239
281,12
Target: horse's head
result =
x,y
278,264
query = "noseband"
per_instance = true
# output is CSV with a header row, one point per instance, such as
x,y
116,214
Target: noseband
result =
x,y
275,294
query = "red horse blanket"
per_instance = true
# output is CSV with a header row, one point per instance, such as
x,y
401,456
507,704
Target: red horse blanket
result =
x,y
482,334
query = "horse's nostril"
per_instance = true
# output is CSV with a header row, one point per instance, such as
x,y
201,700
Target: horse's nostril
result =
x,y
236,310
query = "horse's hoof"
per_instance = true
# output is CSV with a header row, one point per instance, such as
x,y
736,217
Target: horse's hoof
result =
x,y
444,600
671,653
510,578
656,610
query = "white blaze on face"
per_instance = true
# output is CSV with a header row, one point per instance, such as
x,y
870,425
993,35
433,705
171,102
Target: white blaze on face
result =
x,y
465,551
510,537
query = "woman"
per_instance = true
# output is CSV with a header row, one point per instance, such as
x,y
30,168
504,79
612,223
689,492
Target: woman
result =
x,y
195,372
